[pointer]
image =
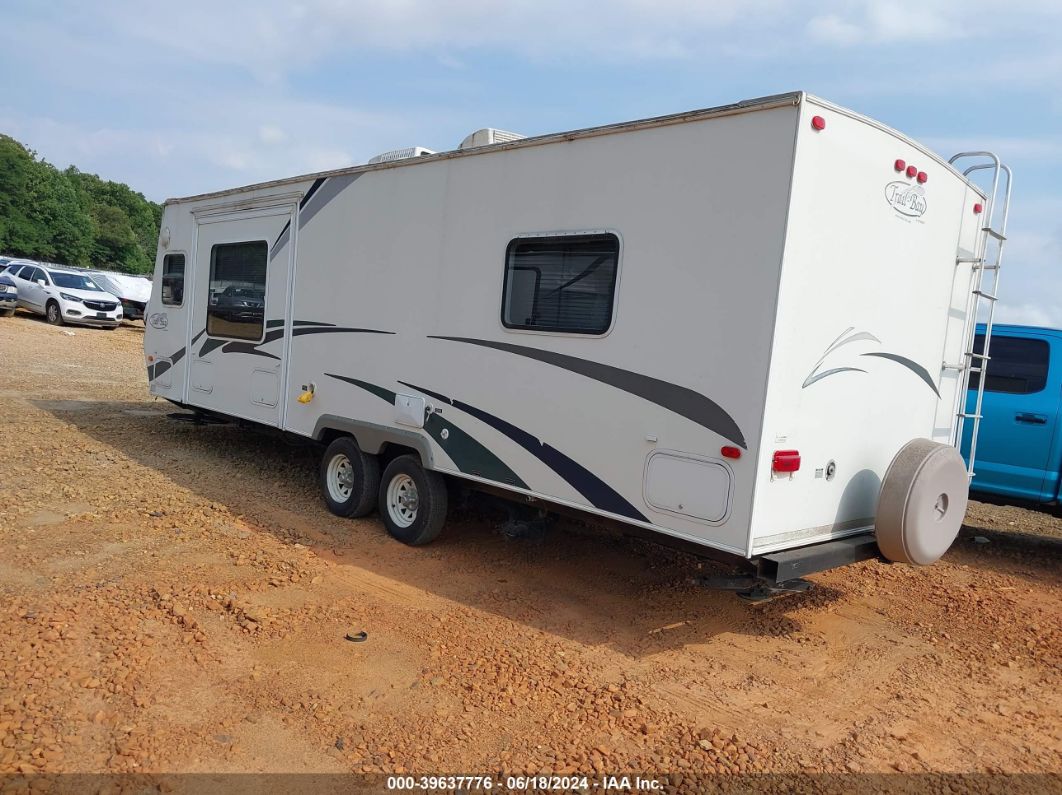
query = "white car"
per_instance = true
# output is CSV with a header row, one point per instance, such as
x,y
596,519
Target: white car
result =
x,y
64,296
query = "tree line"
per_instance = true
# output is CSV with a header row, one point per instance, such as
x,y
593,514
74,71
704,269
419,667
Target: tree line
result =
x,y
72,218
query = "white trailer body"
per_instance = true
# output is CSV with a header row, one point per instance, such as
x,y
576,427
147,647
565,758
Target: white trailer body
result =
x,y
779,287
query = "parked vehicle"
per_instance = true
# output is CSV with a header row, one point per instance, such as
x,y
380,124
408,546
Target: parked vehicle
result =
x,y
8,295
241,304
132,291
65,296
677,324
1019,443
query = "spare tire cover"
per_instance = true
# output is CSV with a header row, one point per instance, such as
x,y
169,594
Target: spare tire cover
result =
x,y
922,502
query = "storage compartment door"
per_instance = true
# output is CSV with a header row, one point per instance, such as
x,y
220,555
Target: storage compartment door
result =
x,y
687,485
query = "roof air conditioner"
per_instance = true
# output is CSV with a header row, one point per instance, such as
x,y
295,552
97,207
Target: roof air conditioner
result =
x,y
401,154
489,136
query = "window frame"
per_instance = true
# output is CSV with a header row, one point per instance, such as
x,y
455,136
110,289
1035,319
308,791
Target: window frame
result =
x,y
162,275
265,283
1045,342
613,306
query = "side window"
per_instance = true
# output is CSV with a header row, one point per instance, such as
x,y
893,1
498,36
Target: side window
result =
x,y
563,284
173,279
1018,365
27,273
236,307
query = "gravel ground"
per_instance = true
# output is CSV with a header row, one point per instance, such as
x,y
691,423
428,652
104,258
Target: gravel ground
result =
x,y
176,598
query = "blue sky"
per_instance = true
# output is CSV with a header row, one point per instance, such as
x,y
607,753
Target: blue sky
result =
x,y
186,97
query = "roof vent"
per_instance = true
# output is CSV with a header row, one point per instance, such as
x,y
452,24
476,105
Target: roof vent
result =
x,y
488,136
401,154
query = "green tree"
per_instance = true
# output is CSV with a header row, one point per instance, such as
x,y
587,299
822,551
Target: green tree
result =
x,y
71,217
127,224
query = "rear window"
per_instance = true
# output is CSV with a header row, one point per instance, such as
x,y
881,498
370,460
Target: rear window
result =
x,y
73,281
1017,365
173,279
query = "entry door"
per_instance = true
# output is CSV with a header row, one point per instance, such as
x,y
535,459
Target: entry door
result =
x,y
239,315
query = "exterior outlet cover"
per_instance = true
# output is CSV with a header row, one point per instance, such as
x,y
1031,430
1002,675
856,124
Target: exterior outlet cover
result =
x,y
409,410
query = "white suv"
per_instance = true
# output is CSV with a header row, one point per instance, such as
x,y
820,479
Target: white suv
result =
x,y
64,296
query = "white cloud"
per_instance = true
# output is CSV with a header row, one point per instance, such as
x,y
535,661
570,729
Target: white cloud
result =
x,y
831,29
1028,314
271,134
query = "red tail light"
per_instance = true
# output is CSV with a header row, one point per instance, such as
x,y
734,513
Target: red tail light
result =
x,y
731,452
922,176
978,208
818,122
900,165
786,461
911,171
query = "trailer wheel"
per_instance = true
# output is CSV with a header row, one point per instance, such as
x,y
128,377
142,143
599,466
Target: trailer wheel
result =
x,y
350,478
922,502
413,501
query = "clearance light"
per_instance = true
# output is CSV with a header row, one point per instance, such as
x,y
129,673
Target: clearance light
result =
x,y
922,176
786,461
731,452
900,165
818,123
911,171
978,208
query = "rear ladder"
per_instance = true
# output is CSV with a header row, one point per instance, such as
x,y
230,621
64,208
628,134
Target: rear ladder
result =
x,y
984,293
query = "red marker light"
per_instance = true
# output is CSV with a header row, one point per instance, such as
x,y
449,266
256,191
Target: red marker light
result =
x,y
900,165
818,122
922,176
786,461
978,208
731,452
911,171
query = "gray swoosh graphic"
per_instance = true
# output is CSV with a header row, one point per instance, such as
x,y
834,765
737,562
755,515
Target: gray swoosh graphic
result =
x,y
679,399
469,455
281,241
599,493
332,187
811,379
861,335
914,367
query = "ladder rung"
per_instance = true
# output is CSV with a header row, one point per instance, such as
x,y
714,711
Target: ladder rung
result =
x,y
969,416
987,267
986,296
961,260
997,235
973,355
975,369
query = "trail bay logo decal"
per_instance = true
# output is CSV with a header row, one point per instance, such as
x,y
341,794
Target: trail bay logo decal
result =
x,y
906,199
159,320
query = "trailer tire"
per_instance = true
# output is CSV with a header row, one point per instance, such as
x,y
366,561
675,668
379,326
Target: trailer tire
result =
x,y
350,478
413,501
922,502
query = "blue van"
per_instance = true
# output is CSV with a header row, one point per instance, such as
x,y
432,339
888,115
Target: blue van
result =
x,y
1019,452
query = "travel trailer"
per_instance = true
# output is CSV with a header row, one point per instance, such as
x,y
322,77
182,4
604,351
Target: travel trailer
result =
x,y
748,329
